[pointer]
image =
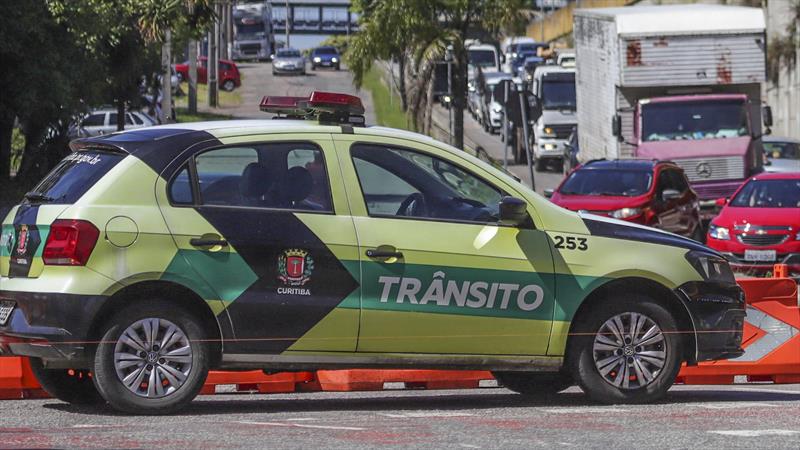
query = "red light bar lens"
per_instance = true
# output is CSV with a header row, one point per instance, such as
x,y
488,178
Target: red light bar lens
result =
x,y
334,102
284,105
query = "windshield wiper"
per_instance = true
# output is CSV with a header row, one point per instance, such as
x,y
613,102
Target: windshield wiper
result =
x,y
38,197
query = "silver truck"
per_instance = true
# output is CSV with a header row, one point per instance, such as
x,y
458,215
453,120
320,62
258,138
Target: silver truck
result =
x,y
554,87
253,37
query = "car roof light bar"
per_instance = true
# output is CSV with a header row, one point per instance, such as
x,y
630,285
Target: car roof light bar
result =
x,y
326,107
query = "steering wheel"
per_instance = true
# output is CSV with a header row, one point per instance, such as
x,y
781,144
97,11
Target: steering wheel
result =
x,y
413,205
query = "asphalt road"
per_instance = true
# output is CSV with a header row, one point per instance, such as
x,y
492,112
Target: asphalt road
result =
x,y
755,416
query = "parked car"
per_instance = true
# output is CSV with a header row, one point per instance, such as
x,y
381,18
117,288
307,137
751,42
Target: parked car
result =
x,y
104,121
652,193
760,225
229,76
781,154
325,57
289,60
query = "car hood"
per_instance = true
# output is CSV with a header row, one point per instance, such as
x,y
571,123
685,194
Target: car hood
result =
x,y
289,60
732,216
597,202
618,229
694,148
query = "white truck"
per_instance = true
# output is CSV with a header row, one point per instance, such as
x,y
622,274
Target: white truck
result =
x,y
252,31
554,88
678,82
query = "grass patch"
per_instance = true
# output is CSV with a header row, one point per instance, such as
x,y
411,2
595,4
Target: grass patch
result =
x,y
226,99
182,115
387,105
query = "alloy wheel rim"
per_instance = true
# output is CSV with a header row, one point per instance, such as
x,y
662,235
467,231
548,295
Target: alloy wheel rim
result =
x,y
153,358
630,351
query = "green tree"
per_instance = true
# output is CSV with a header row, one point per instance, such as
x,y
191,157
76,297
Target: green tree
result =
x,y
423,29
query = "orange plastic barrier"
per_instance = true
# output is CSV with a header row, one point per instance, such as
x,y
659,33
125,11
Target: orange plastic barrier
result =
x,y
771,338
373,380
17,380
258,381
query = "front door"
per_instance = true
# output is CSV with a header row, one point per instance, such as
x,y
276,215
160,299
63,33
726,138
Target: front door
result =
x,y
439,274
271,234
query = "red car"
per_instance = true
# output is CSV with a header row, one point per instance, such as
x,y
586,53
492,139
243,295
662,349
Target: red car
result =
x,y
229,77
648,192
760,225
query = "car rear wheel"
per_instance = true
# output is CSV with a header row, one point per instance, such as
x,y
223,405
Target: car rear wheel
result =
x,y
625,351
228,85
534,384
67,385
152,359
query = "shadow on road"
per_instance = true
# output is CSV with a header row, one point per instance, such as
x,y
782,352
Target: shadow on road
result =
x,y
415,402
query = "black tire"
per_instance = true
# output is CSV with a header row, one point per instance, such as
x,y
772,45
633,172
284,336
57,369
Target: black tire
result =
x,y
68,385
541,164
110,384
533,383
582,352
228,86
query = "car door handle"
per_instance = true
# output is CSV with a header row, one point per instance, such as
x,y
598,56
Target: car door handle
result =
x,y
373,253
200,242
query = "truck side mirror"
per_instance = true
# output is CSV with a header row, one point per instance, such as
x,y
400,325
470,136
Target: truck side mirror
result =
x,y
513,211
766,111
670,194
616,127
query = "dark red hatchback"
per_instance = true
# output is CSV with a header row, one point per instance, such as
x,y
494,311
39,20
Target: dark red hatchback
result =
x,y
648,192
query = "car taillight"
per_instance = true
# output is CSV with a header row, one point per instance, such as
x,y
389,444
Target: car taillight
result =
x,y
70,243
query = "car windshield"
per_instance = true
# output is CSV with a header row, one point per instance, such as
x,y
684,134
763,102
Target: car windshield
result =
x,y
482,58
250,31
610,182
527,48
558,91
769,194
288,53
325,51
782,150
671,121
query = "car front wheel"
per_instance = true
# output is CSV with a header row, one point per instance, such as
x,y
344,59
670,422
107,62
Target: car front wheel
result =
x,y
228,85
626,351
152,359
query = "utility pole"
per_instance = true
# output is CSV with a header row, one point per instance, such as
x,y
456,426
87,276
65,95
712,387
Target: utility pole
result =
x,y
192,81
213,61
166,78
448,57
288,23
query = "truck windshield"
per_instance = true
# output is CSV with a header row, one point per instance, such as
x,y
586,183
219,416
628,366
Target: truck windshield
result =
x,y
482,58
619,183
671,121
558,91
769,194
250,30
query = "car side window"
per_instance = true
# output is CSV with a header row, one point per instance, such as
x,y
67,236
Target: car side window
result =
x,y
398,182
180,190
287,175
681,183
136,119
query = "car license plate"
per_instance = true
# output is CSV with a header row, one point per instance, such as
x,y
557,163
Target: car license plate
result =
x,y
760,255
5,311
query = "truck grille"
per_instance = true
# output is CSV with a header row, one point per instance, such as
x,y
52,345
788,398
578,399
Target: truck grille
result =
x,y
715,168
762,240
713,192
250,48
562,131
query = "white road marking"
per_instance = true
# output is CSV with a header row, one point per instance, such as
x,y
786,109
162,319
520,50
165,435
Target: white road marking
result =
x,y
775,391
468,446
734,405
588,410
88,425
422,415
299,425
300,419
755,433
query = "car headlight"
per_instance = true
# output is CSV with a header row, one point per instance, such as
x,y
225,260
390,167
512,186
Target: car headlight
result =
x,y
548,132
721,233
711,267
334,60
625,213
317,59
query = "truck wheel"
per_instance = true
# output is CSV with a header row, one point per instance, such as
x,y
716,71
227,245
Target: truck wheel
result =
x,y
153,358
67,385
625,351
535,384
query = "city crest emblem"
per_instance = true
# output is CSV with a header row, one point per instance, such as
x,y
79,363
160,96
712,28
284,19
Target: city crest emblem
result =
x,y
22,240
295,267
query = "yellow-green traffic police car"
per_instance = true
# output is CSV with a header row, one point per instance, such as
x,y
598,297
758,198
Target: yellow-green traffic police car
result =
x,y
148,257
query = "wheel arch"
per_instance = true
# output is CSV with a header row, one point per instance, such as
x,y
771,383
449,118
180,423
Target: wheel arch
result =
x,y
176,294
647,287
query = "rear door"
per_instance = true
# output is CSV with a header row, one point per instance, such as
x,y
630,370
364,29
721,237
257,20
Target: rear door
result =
x,y
267,226
439,274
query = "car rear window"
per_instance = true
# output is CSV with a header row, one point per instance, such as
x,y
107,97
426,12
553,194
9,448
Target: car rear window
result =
x,y
74,175
625,183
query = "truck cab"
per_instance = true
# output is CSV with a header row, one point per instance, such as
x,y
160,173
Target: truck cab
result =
x,y
484,56
253,32
554,87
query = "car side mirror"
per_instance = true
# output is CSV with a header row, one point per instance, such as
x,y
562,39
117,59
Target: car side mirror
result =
x,y
766,111
670,194
721,201
548,193
513,211
616,128
535,108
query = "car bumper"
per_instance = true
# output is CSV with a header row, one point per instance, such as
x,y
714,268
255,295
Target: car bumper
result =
x,y
326,64
738,263
51,326
287,70
717,311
